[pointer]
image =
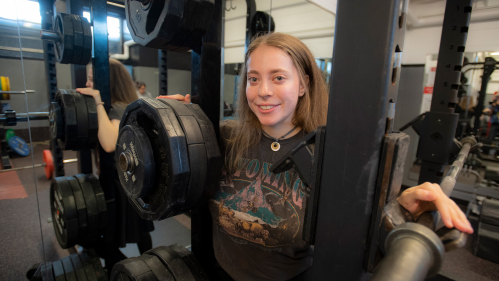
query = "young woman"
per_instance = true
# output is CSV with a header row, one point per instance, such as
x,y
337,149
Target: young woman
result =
x,y
126,225
257,215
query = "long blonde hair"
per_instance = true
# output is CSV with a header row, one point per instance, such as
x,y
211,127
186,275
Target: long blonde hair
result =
x,y
247,130
122,87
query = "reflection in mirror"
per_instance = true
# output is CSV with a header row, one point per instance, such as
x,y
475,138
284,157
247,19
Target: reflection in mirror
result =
x,y
23,191
309,22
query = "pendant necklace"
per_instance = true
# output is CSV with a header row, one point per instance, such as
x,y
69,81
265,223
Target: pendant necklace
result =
x,y
275,146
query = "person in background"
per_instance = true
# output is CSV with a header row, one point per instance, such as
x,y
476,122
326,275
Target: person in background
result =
x,y
126,225
141,90
493,112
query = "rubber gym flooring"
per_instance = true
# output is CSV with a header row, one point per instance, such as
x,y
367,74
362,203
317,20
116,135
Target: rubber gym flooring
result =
x,y
20,222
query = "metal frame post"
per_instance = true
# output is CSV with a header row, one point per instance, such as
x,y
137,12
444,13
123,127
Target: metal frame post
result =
x,y
488,67
163,72
366,34
205,83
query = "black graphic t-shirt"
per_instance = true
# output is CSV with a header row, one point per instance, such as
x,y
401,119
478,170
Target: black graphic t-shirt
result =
x,y
258,218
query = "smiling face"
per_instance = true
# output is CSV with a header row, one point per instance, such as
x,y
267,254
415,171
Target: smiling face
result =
x,y
273,89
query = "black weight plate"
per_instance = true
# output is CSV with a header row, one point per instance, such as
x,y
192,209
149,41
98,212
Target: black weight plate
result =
x,y
205,13
186,26
87,42
77,39
64,49
78,267
177,106
101,202
58,270
93,124
173,262
88,265
99,270
260,23
68,269
195,191
81,208
154,23
191,261
55,121
214,158
171,157
135,161
92,209
157,267
82,117
47,274
134,268
67,104
64,214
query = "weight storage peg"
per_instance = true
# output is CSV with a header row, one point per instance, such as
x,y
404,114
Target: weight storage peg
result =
x,y
72,37
168,157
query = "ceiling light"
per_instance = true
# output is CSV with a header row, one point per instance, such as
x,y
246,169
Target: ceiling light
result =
x,y
495,54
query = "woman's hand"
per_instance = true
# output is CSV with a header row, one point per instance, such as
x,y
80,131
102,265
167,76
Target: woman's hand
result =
x,y
186,98
430,197
90,92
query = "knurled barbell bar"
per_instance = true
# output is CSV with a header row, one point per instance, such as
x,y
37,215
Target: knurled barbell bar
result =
x,y
48,164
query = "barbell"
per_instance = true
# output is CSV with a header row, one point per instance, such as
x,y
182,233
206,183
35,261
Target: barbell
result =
x,y
48,164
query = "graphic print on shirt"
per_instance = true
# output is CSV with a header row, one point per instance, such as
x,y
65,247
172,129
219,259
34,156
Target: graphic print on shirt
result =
x,y
259,206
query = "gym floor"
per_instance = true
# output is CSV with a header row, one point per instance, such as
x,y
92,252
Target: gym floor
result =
x,y
25,219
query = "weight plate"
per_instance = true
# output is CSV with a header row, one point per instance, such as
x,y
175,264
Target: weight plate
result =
x,y
87,42
101,202
68,269
186,25
191,261
88,265
77,39
168,141
82,119
205,13
153,23
58,270
197,152
260,24
7,87
56,122
173,262
157,267
64,215
214,158
93,123
78,267
2,87
47,274
134,269
19,146
70,122
135,161
92,208
81,209
9,133
64,49
49,163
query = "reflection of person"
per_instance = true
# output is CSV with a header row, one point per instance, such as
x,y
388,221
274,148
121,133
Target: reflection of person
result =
x,y
127,226
141,90
257,215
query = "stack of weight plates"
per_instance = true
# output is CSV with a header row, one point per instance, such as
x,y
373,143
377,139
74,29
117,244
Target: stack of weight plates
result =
x,y
78,209
162,263
77,267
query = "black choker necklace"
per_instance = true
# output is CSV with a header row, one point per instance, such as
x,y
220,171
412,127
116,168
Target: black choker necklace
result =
x,y
275,146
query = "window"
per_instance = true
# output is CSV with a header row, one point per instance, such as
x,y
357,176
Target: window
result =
x,y
24,10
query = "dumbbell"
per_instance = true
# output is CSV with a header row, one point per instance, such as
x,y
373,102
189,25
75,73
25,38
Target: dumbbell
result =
x,y
78,208
48,163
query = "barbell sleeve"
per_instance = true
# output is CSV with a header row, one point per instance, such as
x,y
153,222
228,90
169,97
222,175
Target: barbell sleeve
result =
x,y
24,116
50,35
